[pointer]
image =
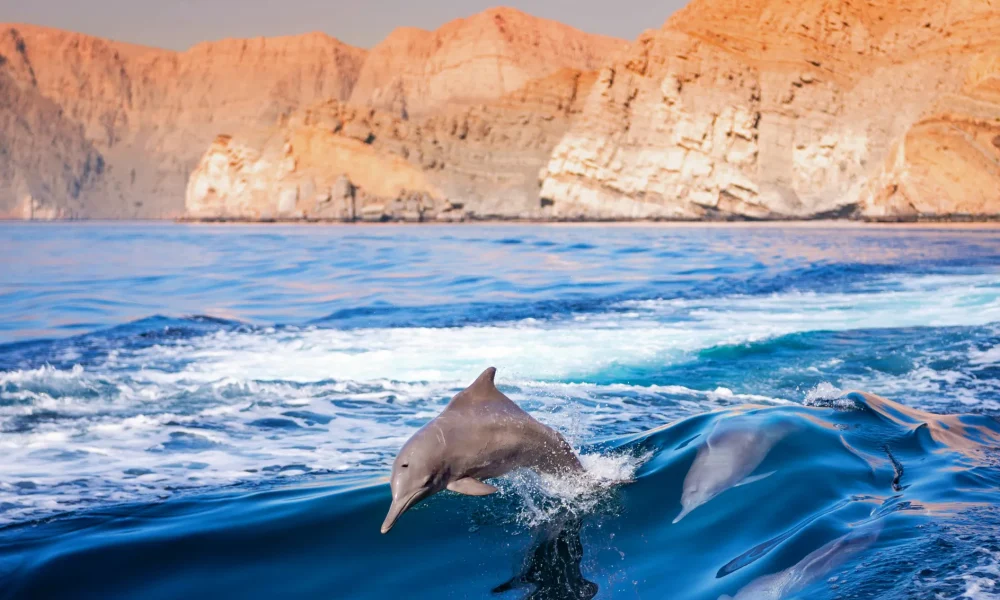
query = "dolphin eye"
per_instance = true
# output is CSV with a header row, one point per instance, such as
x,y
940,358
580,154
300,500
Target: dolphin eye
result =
x,y
404,465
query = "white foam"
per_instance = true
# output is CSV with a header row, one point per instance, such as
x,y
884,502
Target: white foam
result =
x,y
223,407
979,577
151,433
985,358
824,392
653,333
543,498
936,301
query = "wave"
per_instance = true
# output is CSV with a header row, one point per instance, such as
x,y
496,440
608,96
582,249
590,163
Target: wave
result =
x,y
79,437
859,486
164,405
652,332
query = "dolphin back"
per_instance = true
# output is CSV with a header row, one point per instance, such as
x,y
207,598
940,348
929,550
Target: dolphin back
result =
x,y
529,443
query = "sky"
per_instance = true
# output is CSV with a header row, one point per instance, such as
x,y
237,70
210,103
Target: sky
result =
x,y
178,24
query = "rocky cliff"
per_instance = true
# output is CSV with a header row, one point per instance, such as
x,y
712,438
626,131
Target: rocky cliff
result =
x,y
876,109
130,123
480,58
43,155
947,164
344,162
773,108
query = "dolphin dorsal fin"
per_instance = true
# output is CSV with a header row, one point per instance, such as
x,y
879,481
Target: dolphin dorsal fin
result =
x,y
484,383
483,389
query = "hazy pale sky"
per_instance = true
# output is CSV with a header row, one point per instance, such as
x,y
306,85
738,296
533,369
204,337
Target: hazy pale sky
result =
x,y
178,24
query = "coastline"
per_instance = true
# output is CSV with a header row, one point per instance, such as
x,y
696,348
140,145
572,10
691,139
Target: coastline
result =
x,y
970,224
950,223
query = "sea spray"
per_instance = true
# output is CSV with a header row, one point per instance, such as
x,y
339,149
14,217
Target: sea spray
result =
x,y
539,499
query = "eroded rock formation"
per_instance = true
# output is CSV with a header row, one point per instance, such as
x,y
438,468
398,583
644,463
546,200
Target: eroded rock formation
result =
x,y
947,164
48,168
477,59
773,108
463,162
878,109
142,117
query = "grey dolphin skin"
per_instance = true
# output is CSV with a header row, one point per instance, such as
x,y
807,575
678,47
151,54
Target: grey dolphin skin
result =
x,y
816,565
734,448
481,434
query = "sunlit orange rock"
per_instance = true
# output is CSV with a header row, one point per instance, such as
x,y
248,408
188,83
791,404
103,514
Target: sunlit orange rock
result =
x,y
148,114
776,109
461,162
476,59
947,164
875,109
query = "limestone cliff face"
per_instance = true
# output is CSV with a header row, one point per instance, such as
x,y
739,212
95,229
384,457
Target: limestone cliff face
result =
x,y
480,58
150,113
342,162
306,173
773,108
879,109
48,169
948,162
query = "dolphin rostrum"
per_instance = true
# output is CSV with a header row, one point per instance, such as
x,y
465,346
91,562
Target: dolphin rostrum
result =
x,y
734,448
481,434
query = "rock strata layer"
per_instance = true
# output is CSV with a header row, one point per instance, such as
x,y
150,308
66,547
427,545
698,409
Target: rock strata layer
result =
x,y
780,109
477,59
337,161
129,124
733,109
947,164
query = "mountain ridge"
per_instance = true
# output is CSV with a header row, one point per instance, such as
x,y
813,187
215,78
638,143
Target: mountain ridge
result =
x,y
731,109
150,112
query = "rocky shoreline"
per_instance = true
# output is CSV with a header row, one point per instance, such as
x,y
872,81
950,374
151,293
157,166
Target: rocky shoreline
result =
x,y
949,220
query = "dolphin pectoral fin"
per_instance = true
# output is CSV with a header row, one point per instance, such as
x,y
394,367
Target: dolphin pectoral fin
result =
x,y
684,512
505,587
755,478
471,486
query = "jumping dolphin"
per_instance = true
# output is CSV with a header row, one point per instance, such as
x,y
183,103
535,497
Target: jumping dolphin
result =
x,y
816,565
481,434
734,448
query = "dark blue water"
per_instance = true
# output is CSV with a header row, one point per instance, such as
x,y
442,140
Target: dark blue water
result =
x,y
206,412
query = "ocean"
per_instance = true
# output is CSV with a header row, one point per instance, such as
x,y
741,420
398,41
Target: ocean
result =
x,y
211,411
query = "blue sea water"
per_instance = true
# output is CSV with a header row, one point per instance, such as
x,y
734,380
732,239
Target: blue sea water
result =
x,y
193,411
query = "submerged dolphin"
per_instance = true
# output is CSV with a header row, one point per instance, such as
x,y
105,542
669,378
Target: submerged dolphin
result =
x,y
734,448
816,565
480,434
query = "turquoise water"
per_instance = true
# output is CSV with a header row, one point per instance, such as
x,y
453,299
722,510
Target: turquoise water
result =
x,y
203,412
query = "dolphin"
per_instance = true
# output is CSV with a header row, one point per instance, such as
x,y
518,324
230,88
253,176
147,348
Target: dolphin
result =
x,y
816,565
481,434
734,448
